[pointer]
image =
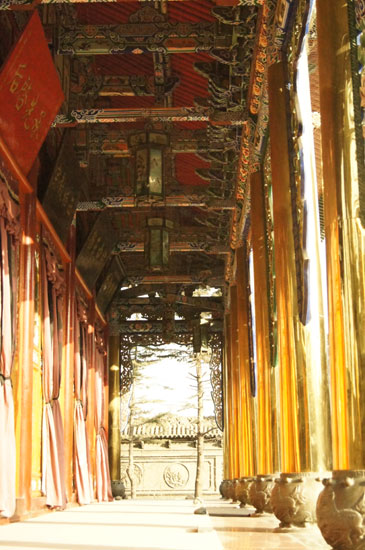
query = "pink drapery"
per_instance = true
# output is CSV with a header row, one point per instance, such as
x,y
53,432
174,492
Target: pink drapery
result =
x,y
83,480
53,459
9,233
103,485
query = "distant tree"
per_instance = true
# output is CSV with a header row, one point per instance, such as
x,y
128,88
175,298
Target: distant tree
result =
x,y
198,366
138,415
199,363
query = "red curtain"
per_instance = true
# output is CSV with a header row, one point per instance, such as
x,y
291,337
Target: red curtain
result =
x,y
83,479
53,460
103,486
9,235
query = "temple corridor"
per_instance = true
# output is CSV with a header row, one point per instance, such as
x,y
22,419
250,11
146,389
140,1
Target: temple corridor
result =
x,y
155,525
182,180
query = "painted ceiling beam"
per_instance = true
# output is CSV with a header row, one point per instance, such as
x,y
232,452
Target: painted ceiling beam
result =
x,y
204,277
145,327
203,303
31,4
178,247
135,292
169,201
87,84
154,114
117,146
182,233
162,36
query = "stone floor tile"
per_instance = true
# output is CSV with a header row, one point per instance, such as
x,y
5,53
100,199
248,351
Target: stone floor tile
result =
x,y
156,525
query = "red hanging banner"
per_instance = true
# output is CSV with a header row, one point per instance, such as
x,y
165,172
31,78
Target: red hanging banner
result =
x,y
30,95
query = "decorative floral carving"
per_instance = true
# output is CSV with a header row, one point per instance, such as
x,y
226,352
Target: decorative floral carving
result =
x,y
243,490
176,476
341,509
127,341
147,14
126,377
215,366
223,488
260,493
293,499
231,489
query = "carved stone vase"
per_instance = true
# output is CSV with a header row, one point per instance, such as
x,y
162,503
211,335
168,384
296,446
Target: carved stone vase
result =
x,y
341,510
234,490
224,487
118,489
293,499
243,490
260,493
231,490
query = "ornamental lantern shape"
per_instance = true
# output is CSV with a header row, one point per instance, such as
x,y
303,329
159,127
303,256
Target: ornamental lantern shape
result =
x,y
157,245
149,167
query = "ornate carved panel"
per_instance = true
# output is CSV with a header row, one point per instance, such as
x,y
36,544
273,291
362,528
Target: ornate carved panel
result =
x,y
127,342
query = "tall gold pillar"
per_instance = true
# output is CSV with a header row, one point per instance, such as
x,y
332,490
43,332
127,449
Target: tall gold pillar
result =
x,y
246,399
237,439
114,408
228,405
345,236
345,249
285,271
268,452
226,355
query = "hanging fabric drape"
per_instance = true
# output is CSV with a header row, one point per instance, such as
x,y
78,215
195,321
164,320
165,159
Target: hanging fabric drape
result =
x,y
103,485
82,461
9,236
53,460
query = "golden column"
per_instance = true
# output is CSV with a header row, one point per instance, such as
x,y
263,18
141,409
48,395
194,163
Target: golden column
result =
x,y
114,408
345,236
285,272
229,452
345,248
246,399
246,424
237,430
225,410
268,452
303,399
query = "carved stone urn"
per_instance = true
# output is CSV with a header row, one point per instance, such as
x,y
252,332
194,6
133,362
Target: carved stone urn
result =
x,y
234,491
243,490
341,510
260,493
118,489
230,489
293,499
223,488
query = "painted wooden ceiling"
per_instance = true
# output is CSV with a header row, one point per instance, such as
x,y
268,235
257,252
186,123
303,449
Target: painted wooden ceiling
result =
x,y
182,68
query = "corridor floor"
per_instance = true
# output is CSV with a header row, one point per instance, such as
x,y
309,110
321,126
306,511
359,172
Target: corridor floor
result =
x,y
154,525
